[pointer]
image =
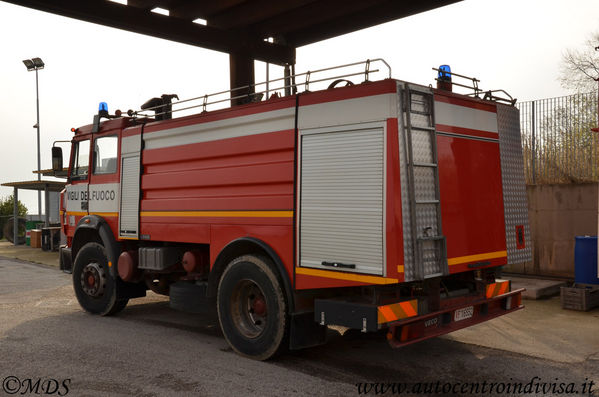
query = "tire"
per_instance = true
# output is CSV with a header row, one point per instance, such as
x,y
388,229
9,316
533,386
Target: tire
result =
x,y
95,288
191,298
252,310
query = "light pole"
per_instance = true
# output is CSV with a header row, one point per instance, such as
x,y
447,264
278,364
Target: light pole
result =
x,y
37,64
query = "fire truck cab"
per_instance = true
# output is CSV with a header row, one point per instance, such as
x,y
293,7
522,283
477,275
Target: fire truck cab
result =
x,y
369,205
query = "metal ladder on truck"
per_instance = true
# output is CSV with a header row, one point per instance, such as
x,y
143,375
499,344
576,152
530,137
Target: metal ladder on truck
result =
x,y
420,143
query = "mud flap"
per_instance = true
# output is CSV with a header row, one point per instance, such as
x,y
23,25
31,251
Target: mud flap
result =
x,y
65,259
305,332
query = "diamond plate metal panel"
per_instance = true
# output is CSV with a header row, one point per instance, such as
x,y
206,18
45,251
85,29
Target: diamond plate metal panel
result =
x,y
514,188
426,220
420,120
430,252
419,104
424,184
409,271
422,146
431,257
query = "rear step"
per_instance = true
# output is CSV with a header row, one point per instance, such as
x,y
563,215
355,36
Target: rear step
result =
x,y
408,320
413,330
363,316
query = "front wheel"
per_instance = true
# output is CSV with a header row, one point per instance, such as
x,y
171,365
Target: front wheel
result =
x,y
251,308
94,287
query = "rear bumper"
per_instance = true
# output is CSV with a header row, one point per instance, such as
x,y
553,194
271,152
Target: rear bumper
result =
x,y
415,329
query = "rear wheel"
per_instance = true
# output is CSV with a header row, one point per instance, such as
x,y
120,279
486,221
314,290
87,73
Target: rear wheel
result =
x,y
251,308
95,288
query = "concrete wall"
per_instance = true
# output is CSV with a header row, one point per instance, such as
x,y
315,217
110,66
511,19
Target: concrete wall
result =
x,y
557,214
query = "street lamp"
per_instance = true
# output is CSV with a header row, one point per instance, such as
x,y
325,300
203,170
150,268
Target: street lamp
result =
x,y
31,65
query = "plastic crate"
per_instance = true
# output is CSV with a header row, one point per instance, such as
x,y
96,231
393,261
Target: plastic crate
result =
x,y
580,297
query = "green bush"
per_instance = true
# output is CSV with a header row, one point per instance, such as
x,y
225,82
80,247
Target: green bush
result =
x,y
6,210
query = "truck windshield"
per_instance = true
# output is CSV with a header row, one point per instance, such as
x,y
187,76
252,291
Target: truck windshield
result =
x,y
80,160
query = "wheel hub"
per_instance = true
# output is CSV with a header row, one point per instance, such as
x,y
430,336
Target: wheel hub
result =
x,y
259,306
249,309
93,279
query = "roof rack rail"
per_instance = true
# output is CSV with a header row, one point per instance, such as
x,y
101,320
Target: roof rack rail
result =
x,y
285,84
487,95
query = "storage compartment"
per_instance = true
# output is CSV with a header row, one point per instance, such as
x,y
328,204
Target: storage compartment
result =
x,y
342,199
580,297
158,259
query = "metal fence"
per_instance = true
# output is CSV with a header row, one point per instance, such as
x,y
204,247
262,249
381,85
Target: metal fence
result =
x,y
557,142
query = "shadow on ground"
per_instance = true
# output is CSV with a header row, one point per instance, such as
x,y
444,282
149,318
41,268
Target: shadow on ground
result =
x,y
150,349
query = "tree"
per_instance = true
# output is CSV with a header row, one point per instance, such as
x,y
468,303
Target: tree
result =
x,y
7,207
580,68
6,213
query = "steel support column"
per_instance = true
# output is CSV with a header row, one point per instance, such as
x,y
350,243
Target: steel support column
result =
x,y
241,69
15,216
47,205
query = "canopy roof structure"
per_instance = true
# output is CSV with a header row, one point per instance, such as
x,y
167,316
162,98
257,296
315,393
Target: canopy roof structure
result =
x,y
239,26
50,186
56,174
248,30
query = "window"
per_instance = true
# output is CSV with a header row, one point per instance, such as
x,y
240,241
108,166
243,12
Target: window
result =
x,y
80,164
105,155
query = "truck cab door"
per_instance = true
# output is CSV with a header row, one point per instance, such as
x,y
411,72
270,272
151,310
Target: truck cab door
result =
x,y
104,176
77,197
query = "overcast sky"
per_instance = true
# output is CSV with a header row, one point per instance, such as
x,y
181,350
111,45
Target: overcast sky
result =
x,y
515,45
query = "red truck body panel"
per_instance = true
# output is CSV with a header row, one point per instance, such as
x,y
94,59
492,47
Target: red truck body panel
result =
x,y
214,190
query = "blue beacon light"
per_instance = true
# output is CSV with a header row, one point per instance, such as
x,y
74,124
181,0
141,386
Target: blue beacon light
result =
x,y
103,109
444,73
102,112
444,78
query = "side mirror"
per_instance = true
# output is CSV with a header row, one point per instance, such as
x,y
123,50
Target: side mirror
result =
x,y
56,159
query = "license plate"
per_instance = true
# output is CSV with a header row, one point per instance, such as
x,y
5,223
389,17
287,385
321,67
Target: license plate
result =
x,y
464,313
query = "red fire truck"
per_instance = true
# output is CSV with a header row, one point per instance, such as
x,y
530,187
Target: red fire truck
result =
x,y
371,205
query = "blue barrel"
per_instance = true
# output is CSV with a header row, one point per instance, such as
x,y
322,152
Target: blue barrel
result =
x,y
585,260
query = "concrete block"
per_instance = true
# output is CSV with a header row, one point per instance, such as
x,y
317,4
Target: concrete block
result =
x,y
536,288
